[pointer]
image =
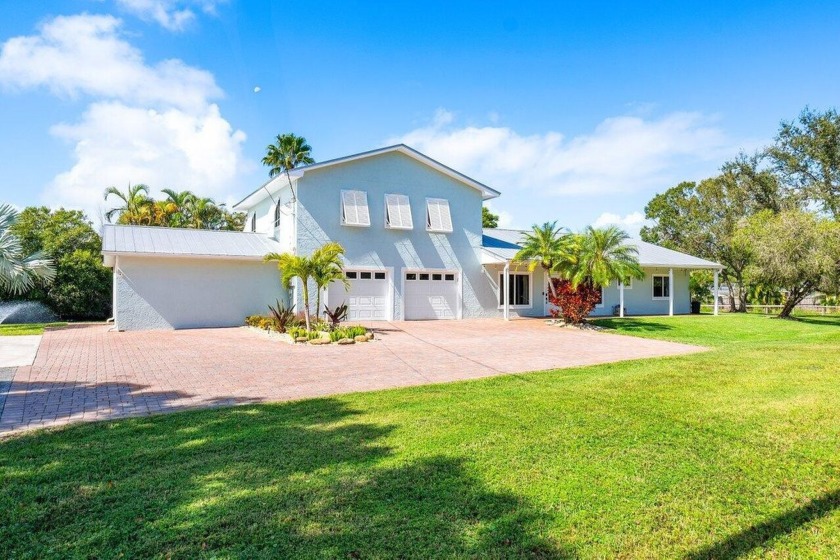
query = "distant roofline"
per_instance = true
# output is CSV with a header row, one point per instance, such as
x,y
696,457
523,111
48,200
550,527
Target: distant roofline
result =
x,y
487,192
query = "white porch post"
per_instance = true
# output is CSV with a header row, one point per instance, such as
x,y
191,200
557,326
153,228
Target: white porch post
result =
x,y
717,290
506,287
621,299
670,292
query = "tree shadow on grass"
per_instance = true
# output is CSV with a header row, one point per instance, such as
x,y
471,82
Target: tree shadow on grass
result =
x,y
296,480
760,534
820,320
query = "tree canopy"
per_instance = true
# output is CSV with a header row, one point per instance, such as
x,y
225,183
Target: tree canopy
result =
x,y
81,288
179,209
489,219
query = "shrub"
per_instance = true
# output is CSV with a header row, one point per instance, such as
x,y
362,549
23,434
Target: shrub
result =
x,y
283,317
573,303
261,322
347,332
337,315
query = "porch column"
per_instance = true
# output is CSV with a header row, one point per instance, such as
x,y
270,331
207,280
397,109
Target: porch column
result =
x,y
670,292
621,299
506,286
717,290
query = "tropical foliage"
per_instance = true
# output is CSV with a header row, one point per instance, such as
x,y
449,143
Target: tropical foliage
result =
x,y
489,219
580,265
82,286
179,209
20,270
324,262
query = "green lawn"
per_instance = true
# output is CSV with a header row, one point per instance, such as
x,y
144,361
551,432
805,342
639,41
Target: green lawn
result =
x,y
30,328
731,453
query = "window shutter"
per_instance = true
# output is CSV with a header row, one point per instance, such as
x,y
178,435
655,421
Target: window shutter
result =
x,y
362,209
354,204
399,211
439,217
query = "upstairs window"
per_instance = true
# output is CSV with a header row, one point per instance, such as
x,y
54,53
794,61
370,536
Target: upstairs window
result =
x,y
277,214
254,221
354,209
398,212
438,217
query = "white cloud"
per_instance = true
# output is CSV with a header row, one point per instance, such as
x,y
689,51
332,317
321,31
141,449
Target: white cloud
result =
x,y
622,154
505,217
85,54
631,223
153,124
117,144
173,15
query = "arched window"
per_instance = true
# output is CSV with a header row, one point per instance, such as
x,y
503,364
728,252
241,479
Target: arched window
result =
x,y
277,214
254,221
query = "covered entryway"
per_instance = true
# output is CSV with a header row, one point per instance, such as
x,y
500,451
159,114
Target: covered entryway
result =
x,y
432,294
367,297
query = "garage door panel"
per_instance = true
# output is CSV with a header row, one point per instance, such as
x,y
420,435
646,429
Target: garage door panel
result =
x,y
431,295
366,298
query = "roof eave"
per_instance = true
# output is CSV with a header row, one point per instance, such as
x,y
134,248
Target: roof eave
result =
x,y
181,256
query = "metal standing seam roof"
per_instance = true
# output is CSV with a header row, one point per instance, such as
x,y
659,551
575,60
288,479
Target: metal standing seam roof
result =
x,y
504,244
163,241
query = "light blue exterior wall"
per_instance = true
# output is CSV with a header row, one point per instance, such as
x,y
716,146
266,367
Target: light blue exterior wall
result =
x,y
319,221
638,300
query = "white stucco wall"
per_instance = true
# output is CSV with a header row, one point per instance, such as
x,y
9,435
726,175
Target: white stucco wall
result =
x,y
284,231
177,293
319,221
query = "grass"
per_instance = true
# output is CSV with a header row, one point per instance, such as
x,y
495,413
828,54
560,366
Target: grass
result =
x,y
730,453
24,329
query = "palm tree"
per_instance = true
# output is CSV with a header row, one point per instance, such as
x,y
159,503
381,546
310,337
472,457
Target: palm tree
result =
x,y
134,200
204,213
327,269
177,205
288,152
603,256
549,247
294,266
19,272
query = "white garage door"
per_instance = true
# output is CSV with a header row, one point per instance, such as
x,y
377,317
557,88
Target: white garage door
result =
x,y
367,297
431,295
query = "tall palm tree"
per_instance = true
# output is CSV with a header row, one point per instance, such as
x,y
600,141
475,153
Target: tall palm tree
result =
x,y
177,206
327,269
294,266
603,256
134,200
19,272
286,153
204,213
547,246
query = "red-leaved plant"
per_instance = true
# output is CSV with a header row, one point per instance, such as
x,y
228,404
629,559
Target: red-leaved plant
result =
x,y
571,303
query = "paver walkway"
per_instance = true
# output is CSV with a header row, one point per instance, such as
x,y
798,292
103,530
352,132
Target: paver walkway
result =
x,y
87,372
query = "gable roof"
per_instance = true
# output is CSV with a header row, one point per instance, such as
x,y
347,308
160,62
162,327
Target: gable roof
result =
x,y
486,192
178,242
502,245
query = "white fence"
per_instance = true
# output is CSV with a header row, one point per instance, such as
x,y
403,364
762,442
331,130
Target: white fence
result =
x,y
770,309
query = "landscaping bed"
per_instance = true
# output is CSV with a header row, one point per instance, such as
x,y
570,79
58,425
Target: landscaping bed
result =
x,y
320,332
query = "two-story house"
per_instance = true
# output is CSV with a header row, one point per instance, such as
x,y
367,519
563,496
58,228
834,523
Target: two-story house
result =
x,y
415,249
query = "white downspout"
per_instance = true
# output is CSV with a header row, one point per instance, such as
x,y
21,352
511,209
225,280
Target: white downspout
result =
x,y
621,299
670,292
717,290
505,296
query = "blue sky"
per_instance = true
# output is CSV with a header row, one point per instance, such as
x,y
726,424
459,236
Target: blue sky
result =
x,y
577,112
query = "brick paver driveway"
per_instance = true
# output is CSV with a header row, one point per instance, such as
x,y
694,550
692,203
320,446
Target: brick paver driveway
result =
x,y
86,372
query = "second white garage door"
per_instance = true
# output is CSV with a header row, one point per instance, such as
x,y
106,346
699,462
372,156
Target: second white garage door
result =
x,y
431,295
367,299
